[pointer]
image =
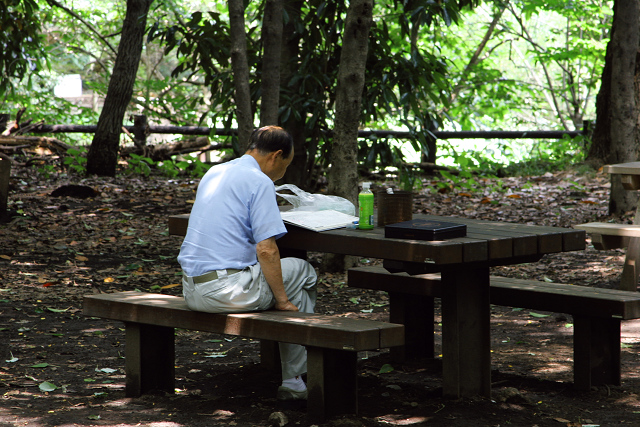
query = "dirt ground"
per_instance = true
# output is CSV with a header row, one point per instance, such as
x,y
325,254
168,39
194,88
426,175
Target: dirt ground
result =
x,y
59,368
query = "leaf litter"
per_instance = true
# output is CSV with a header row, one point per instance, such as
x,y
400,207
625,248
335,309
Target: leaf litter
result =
x,y
60,249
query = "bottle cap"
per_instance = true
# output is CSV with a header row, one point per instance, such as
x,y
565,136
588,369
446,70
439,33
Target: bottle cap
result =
x,y
366,185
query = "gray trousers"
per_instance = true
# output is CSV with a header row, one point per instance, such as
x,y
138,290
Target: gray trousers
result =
x,y
248,290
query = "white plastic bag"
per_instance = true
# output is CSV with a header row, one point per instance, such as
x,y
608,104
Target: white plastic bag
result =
x,y
303,201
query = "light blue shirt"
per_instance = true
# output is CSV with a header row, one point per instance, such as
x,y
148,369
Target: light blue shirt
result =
x,y
235,208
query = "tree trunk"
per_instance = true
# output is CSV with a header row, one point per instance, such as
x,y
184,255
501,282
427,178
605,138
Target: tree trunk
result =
x,y
102,158
343,174
298,172
240,65
617,126
271,53
601,140
5,175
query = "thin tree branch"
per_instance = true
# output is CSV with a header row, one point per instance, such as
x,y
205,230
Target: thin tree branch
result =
x,y
87,24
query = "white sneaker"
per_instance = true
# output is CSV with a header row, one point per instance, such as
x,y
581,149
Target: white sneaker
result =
x,y
285,393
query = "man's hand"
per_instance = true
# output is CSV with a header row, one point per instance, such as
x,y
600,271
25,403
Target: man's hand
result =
x,y
287,306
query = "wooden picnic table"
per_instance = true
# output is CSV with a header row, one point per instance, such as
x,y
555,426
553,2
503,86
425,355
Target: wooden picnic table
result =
x,y
611,236
464,264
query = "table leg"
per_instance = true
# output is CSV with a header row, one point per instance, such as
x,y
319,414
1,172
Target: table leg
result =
x,y
630,271
629,278
596,352
416,313
466,346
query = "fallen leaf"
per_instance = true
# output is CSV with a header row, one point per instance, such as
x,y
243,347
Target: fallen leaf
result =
x,y
47,386
7,257
538,314
386,368
81,258
171,286
39,365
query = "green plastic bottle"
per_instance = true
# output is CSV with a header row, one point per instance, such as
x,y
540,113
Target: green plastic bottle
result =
x,y
365,200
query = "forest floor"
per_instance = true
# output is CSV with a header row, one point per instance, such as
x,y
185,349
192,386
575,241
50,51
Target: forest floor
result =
x,y
59,368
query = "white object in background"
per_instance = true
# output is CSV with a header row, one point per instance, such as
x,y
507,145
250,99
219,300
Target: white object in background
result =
x,y
69,86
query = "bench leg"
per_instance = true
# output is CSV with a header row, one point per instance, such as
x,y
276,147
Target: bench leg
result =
x,y
416,313
596,352
332,382
270,355
149,359
466,347
630,271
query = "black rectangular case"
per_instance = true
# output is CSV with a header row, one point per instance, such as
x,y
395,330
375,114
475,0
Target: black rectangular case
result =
x,y
424,229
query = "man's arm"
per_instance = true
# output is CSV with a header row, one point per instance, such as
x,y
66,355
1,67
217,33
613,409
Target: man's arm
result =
x,y
269,259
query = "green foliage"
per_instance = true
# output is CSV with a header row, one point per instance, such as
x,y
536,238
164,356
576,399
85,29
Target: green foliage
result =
x,y
549,156
77,160
139,165
189,165
464,180
539,69
401,78
21,51
46,171
193,166
201,45
168,168
409,178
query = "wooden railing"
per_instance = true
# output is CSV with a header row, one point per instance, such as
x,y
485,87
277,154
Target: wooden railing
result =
x,y
141,129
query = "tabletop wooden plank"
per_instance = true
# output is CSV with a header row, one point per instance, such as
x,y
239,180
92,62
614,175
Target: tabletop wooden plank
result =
x,y
630,168
502,243
485,240
550,238
371,243
610,229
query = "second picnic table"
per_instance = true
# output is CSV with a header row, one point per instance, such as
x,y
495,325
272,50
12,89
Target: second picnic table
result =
x,y
464,264
611,236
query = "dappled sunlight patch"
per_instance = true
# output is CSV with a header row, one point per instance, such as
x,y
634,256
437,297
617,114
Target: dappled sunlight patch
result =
x,y
630,399
401,420
221,414
165,424
555,368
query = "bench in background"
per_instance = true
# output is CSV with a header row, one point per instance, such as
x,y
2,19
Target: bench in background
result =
x,y
332,343
606,235
613,236
596,315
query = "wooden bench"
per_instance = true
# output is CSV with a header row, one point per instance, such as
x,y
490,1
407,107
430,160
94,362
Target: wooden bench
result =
x,y
607,235
596,315
613,236
332,343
